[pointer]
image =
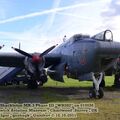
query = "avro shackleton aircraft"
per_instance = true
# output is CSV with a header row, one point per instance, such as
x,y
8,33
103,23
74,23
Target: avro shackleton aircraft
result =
x,y
77,57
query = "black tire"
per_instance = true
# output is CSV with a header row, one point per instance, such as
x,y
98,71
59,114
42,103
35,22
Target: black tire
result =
x,y
101,93
32,85
41,84
43,79
102,84
92,93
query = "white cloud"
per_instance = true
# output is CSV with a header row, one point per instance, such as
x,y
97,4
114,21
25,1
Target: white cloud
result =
x,y
30,15
115,24
78,18
111,18
2,13
118,2
3,9
51,17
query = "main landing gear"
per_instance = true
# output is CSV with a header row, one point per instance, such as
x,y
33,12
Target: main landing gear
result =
x,y
96,91
33,83
35,80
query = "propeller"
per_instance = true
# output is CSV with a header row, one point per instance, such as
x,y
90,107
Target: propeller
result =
x,y
22,52
48,50
29,55
35,57
34,63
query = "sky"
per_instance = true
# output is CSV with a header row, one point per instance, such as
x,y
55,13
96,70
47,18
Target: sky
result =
x,y
39,24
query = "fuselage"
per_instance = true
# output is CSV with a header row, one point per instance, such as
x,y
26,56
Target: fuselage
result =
x,y
84,54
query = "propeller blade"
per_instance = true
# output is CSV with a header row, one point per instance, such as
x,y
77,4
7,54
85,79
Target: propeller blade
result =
x,y
22,52
47,51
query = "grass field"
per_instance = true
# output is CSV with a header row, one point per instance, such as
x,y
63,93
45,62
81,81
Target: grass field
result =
x,y
75,83
72,91
109,108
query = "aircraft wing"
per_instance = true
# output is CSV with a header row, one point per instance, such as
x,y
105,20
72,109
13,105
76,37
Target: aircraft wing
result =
x,y
17,60
11,60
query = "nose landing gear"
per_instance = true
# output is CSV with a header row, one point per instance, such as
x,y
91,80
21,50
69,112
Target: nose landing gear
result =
x,y
96,91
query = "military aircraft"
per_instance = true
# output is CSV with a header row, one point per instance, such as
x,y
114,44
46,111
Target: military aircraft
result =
x,y
80,57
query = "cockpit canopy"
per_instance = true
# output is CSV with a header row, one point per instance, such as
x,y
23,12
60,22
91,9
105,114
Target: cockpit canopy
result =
x,y
77,37
104,36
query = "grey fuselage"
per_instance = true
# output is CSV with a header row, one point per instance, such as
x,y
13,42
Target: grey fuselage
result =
x,y
85,54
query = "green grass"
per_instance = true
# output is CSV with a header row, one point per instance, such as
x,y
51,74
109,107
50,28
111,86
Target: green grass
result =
x,y
52,95
69,82
109,108
109,80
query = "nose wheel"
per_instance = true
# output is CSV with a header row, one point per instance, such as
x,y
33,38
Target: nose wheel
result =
x,y
96,91
94,94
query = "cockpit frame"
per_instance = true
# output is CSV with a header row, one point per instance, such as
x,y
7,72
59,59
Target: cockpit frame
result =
x,y
106,35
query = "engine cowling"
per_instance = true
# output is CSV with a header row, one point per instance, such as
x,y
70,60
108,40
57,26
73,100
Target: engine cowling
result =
x,y
33,64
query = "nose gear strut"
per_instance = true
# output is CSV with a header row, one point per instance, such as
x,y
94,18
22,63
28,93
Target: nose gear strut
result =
x,y
97,91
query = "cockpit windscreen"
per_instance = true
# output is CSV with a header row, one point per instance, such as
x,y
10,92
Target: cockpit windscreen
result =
x,y
104,36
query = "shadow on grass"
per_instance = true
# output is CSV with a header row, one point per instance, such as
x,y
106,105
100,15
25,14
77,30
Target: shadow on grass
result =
x,y
21,94
43,94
